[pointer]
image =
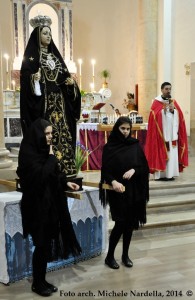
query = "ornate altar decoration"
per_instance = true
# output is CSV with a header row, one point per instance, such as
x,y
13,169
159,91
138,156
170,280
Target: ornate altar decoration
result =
x,y
92,105
61,14
129,103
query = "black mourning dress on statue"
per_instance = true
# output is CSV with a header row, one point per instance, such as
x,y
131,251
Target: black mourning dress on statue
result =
x,y
45,214
59,103
121,154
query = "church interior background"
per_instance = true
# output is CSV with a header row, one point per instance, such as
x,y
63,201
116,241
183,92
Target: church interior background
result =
x,y
141,43
145,47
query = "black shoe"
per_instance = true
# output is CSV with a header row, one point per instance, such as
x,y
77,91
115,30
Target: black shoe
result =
x,y
50,286
41,290
170,179
161,179
127,262
111,263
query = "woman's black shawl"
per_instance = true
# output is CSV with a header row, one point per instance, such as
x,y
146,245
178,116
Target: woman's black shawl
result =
x,y
32,106
44,209
121,154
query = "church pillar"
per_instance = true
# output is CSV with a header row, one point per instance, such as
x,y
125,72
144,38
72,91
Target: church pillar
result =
x,y
67,36
19,32
4,161
147,54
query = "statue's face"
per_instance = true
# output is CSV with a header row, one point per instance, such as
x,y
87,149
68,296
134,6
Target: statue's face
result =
x,y
45,36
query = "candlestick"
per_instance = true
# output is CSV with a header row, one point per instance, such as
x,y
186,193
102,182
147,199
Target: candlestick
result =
x,y
80,63
13,85
93,67
92,86
6,56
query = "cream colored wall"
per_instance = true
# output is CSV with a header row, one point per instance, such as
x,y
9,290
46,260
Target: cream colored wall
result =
x,y
106,31
183,52
6,35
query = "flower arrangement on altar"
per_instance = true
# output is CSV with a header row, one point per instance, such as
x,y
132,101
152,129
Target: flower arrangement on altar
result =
x,y
81,156
130,102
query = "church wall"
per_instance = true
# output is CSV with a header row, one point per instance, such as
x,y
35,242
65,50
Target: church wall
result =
x,y
6,35
106,31
183,52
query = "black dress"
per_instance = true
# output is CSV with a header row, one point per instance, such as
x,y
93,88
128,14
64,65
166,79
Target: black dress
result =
x,y
59,103
45,214
121,154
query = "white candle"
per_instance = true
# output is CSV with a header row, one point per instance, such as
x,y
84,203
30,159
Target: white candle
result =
x,y
13,84
92,87
80,63
7,58
93,67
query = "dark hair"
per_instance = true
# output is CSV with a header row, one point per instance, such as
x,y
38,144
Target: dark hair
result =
x,y
164,84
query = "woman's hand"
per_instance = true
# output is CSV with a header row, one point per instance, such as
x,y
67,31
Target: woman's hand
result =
x,y
69,81
128,174
73,186
37,76
117,186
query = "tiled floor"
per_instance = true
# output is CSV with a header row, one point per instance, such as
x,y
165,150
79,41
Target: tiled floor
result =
x,y
162,264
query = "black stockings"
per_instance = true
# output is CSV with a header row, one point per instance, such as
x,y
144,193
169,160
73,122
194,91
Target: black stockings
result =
x,y
39,264
119,229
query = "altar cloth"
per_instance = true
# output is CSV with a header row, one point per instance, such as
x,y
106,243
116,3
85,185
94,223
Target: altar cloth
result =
x,y
90,222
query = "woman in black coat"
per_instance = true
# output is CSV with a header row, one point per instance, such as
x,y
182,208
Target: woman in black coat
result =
x,y
44,209
124,166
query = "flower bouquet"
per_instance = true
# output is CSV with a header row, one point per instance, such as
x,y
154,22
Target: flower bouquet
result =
x,y
81,156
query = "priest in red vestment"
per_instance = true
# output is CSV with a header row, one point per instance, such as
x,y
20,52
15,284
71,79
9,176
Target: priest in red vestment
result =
x,y
166,146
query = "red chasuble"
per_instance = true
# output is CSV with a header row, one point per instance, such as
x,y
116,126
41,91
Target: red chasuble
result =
x,y
155,148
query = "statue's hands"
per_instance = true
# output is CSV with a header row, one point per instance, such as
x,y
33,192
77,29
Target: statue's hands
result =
x,y
69,81
37,76
51,149
73,186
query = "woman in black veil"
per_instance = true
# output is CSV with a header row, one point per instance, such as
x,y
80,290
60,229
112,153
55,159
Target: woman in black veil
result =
x,y
124,166
44,209
48,91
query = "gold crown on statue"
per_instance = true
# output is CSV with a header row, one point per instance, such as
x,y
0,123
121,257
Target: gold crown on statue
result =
x,y
40,21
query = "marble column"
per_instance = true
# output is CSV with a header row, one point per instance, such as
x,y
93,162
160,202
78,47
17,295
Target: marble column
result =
x,y
5,162
147,54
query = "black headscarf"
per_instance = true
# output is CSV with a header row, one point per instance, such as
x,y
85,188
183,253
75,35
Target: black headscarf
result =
x,y
121,154
45,214
32,106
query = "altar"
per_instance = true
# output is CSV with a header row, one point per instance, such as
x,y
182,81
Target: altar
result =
x,y
89,219
93,136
